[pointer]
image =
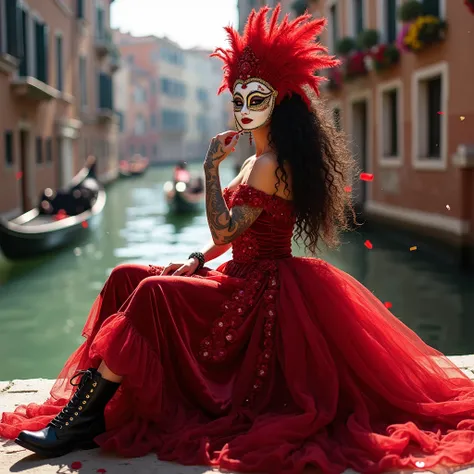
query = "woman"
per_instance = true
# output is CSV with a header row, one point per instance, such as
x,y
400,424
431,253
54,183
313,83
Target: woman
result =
x,y
271,363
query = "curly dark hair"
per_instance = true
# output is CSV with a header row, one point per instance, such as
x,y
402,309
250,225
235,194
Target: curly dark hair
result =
x,y
321,166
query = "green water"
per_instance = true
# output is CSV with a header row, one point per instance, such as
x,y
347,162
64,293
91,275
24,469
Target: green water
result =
x,y
44,303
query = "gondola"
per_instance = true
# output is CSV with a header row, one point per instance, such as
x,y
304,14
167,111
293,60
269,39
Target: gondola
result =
x,y
35,233
182,199
136,167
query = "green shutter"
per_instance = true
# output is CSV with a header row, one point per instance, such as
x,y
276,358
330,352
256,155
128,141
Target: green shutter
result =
x,y
24,29
391,13
431,7
13,22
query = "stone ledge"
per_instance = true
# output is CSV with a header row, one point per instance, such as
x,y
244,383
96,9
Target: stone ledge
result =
x,y
13,458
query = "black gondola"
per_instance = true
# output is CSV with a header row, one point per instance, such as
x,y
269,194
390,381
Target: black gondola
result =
x,y
138,166
35,232
182,198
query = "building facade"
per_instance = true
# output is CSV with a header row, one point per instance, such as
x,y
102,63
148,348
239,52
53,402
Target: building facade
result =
x,y
408,115
168,104
56,66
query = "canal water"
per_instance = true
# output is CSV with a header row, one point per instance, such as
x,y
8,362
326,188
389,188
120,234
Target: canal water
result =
x,y
44,302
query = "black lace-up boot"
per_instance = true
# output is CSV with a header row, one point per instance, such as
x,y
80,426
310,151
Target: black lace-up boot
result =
x,y
80,421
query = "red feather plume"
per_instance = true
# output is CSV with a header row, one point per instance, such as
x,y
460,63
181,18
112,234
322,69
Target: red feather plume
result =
x,y
285,54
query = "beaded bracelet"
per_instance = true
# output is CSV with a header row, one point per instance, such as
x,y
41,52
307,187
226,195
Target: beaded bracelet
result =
x,y
200,257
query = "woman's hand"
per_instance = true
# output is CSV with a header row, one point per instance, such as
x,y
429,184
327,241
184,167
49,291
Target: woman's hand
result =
x,y
186,268
220,148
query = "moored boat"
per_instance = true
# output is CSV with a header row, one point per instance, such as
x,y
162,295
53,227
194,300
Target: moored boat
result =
x,y
183,198
36,232
137,166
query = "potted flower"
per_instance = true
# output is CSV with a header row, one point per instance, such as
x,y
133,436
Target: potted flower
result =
x,y
424,31
470,5
383,56
355,65
345,46
410,11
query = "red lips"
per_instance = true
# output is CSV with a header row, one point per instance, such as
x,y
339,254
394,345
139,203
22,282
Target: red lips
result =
x,y
246,120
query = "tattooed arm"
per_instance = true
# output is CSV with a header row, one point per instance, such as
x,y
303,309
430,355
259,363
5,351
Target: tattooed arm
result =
x,y
226,225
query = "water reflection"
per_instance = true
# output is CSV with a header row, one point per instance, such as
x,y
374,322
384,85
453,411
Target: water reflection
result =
x,y
43,303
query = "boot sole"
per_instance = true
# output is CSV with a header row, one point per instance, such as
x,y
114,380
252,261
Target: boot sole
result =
x,y
86,445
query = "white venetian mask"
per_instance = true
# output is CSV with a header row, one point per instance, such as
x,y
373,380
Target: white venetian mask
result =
x,y
254,100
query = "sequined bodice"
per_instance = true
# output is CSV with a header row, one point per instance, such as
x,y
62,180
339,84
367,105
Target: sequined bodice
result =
x,y
269,237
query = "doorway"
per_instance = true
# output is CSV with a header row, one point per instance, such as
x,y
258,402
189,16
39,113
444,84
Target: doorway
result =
x,y
360,149
24,169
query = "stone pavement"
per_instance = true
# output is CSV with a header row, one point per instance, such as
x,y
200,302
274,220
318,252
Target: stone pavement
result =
x,y
14,459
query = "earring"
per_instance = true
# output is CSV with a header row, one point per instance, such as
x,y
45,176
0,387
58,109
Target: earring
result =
x,y
250,138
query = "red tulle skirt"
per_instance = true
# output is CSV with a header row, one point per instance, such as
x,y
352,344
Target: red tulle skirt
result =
x,y
269,367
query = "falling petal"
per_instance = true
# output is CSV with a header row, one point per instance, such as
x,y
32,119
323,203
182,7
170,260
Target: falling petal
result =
x,y
413,248
347,189
85,225
387,304
368,244
102,470
366,176
76,465
19,175
440,113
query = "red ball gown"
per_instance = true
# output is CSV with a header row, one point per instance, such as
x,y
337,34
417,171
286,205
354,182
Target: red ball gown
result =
x,y
270,363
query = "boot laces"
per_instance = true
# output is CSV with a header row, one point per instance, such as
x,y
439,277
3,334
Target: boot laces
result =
x,y
71,409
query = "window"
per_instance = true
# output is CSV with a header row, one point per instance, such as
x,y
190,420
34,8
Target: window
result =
x,y
358,17
25,28
431,7
11,39
39,150
172,56
140,125
333,24
131,150
153,87
336,113
59,63
49,150
433,92
80,9
83,80
106,101
140,95
100,23
155,151
41,53
173,121
390,123
173,88
153,121
202,95
429,121
59,152
391,20
9,150
121,117
143,150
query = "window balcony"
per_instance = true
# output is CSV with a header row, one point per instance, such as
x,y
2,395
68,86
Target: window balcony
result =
x,y
8,63
115,60
104,44
33,89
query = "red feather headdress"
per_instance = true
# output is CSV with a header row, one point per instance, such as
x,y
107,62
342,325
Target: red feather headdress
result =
x,y
285,55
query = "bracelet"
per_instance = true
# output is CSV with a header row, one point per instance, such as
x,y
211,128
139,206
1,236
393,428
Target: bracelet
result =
x,y
200,257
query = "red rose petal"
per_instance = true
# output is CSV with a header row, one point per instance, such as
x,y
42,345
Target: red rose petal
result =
x,y
366,176
76,465
368,244
440,113
102,470
347,189
387,304
85,225
19,175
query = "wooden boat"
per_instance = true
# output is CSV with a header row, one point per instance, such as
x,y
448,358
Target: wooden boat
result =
x,y
182,198
138,166
35,233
